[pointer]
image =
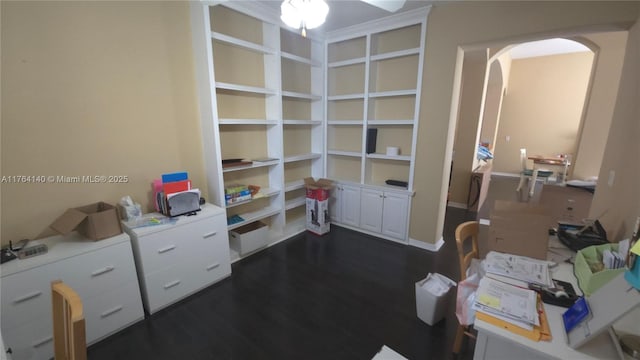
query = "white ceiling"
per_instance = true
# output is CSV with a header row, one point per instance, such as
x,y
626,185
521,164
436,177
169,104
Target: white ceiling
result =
x,y
344,13
546,47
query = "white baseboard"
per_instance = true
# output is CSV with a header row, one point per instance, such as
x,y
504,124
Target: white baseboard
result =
x,y
457,205
427,246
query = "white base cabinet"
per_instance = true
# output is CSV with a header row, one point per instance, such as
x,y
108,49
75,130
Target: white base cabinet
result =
x,y
103,274
345,205
177,260
374,210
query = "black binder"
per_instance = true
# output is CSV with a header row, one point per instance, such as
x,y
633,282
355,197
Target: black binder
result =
x,y
372,134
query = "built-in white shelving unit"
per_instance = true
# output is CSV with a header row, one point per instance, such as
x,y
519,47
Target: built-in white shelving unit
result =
x,y
374,81
307,104
261,96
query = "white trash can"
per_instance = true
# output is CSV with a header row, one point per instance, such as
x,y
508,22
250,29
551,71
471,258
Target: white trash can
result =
x,y
431,294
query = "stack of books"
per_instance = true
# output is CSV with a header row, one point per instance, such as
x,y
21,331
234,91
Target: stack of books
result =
x,y
236,193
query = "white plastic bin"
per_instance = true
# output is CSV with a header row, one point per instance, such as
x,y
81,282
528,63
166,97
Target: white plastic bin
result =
x,y
431,297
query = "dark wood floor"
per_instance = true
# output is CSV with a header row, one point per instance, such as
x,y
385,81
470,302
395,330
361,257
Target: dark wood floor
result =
x,y
339,296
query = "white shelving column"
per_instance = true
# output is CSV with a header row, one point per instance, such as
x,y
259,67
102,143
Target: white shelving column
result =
x,y
374,81
252,108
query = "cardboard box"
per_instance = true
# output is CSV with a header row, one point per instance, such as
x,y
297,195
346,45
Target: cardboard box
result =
x,y
566,204
96,221
319,189
318,193
519,229
249,238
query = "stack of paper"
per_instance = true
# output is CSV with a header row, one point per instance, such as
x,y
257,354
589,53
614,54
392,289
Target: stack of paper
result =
x,y
520,268
510,303
512,308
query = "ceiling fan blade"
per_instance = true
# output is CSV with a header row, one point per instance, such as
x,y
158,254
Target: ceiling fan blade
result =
x,y
389,5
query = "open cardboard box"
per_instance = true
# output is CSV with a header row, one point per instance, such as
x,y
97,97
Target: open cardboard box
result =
x,y
519,229
95,221
318,192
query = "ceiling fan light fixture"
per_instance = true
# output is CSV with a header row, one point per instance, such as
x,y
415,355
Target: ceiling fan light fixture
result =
x,y
305,14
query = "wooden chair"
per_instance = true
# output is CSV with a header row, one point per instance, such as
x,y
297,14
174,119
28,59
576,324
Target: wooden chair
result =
x,y
69,337
465,231
531,174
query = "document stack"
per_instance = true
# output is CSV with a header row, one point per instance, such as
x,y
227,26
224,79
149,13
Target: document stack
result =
x,y
504,300
513,308
522,269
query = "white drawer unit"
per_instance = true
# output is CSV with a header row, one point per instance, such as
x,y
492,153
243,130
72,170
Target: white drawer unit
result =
x,y
103,274
179,259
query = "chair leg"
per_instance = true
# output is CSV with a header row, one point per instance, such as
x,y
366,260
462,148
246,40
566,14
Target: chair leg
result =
x,y
522,179
457,344
534,179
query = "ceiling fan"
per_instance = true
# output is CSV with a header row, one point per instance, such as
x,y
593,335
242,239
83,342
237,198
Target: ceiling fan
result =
x,y
309,14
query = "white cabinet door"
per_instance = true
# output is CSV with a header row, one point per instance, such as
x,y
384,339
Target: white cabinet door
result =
x,y
335,204
350,205
394,215
371,210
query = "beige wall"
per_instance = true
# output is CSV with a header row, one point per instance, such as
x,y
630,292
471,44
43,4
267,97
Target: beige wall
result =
x,y
622,151
94,88
543,107
600,102
456,24
115,80
473,75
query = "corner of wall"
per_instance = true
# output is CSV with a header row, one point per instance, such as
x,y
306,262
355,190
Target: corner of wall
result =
x,y
427,246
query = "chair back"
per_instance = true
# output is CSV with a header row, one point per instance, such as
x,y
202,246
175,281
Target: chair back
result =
x,y
523,159
467,231
69,336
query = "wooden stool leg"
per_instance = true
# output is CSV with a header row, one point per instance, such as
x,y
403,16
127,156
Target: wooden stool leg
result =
x,y
457,344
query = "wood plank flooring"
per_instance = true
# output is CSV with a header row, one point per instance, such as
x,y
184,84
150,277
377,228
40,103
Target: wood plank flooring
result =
x,y
339,296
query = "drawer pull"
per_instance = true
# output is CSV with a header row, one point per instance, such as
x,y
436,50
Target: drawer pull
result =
x,y
111,312
165,249
212,266
208,235
27,297
43,341
171,284
104,270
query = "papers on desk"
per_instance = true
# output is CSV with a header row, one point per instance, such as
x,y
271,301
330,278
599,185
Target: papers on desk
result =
x,y
519,268
512,308
507,302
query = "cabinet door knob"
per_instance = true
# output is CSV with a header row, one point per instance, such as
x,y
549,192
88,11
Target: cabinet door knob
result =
x,y
165,249
171,284
111,312
212,266
208,235
27,297
104,270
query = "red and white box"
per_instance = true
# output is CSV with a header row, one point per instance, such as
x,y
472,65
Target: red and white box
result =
x,y
318,192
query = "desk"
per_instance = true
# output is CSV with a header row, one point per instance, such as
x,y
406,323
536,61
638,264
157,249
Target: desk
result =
x,y
539,160
496,343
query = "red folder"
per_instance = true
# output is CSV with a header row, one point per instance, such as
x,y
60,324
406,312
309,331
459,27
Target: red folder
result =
x,y
176,186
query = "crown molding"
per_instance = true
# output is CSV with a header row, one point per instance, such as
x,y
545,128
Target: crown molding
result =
x,y
383,24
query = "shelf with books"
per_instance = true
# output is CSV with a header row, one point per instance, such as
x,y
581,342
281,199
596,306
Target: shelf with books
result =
x,y
263,193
